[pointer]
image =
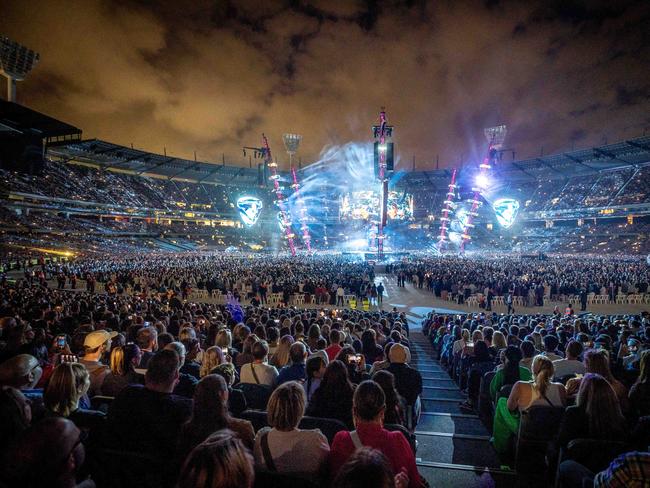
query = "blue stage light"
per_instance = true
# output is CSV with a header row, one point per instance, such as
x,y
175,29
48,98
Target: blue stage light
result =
x,y
505,210
250,209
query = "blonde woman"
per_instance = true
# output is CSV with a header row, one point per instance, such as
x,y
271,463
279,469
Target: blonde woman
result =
x,y
541,391
68,385
597,361
212,357
281,356
499,341
283,447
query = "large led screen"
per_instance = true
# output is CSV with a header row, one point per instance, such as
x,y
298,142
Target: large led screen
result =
x,y
364,205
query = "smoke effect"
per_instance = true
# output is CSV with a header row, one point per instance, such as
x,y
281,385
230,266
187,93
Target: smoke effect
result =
x,y
210,76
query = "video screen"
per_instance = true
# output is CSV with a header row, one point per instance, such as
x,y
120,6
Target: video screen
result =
x,y
364,205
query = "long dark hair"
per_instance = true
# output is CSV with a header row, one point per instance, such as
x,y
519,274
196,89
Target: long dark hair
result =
x,y
336,381
511,366
368,342
386,380
210,412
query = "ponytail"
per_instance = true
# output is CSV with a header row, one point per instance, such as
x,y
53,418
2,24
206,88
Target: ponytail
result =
x,y
543,370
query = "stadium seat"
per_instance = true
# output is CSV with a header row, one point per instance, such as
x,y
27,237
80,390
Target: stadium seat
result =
x,y
267,479
505,391
329,427
117,468
485,407
410,437
537,427
594,454
101,403
257,396
259,418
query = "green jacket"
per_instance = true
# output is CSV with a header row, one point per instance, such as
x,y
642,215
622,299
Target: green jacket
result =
x,y
497,381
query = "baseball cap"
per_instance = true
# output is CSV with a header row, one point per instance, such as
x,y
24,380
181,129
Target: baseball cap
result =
x,y
97,338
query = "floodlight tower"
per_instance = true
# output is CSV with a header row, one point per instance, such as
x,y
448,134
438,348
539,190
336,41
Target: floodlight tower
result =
x,y
495,137
275,177
383,155
291,143
15,62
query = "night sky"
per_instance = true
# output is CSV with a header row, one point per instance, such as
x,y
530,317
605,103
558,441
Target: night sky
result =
x,y
211,76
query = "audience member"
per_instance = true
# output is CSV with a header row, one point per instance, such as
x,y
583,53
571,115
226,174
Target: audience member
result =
x,y
284,448
96,345
221,461
124,361
148,418
333,398
296,369
210,414
368,411
258,372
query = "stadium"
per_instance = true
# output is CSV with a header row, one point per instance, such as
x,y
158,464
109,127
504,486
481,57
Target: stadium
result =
x,y
330,313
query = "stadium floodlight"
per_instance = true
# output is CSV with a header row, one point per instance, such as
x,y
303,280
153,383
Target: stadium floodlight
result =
x,y
291,143
15,62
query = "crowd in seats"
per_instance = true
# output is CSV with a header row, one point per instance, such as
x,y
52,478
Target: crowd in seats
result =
x,y
564,395
157,391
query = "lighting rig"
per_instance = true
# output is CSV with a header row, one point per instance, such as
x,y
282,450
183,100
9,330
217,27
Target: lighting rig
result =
x,y
291,143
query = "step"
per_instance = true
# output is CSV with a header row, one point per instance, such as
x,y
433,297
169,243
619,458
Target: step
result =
x,y
446,394
443,475
451,425
427,371
442,406
439,382
435,375
425,435
455,450
446,387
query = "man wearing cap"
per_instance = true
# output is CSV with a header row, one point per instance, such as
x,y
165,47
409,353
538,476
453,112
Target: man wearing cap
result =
x,y
96,344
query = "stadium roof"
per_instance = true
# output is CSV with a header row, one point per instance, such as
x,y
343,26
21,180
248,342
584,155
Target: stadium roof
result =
x,y
125,159
22,119
630,153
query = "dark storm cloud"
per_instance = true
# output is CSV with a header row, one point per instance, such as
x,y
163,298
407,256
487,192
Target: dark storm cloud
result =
x,y
211,76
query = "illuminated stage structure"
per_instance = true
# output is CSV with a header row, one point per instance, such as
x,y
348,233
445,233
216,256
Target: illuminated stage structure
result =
x,y
495,137
447,210
383,159
275,177
291,143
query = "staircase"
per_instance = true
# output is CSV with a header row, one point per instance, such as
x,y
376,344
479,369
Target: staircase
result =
x,y
453,447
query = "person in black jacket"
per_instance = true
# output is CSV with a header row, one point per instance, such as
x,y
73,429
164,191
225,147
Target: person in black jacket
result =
x,y
408,381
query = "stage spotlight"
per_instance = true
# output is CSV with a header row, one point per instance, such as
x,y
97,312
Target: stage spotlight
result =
x,y
482,181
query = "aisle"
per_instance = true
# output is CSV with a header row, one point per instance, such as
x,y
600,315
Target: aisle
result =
x,y
453,447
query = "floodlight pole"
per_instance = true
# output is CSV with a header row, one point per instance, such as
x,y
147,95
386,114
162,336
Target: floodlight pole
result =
x,y
16,62
495,137
291,143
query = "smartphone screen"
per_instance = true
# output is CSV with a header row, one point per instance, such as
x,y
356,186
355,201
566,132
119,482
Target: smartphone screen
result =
x,y
60,341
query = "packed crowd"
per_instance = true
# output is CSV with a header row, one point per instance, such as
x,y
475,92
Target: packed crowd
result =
x,y
244,276
97,388
74,182
584,382
534,279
